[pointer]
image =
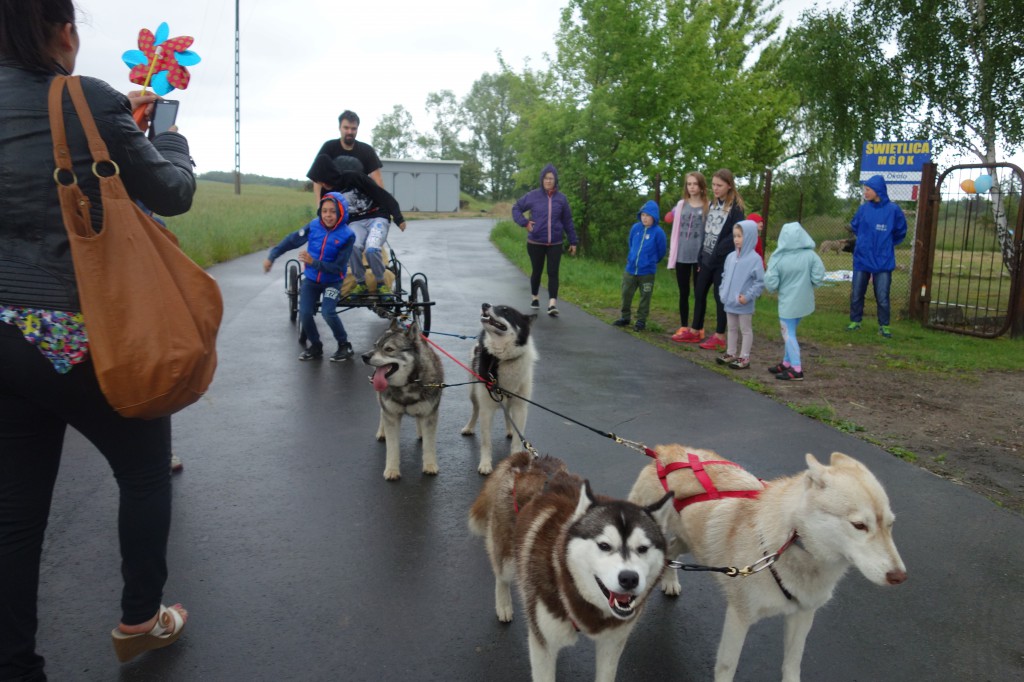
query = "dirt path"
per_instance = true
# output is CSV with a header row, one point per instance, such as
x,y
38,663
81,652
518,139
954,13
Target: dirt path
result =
x,y
964,427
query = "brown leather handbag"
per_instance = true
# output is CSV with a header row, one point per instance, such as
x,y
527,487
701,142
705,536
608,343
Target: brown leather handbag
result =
x,y
151,314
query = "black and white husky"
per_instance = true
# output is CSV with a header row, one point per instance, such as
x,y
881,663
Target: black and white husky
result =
x,y
582,563
504,354
407,377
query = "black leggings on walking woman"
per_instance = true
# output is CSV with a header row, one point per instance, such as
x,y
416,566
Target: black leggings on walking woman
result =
x,y
538,253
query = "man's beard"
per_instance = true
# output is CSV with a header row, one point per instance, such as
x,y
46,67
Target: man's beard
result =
x,y
349,140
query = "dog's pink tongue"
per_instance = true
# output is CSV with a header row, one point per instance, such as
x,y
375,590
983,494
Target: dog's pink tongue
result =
x,y
616,599
380,379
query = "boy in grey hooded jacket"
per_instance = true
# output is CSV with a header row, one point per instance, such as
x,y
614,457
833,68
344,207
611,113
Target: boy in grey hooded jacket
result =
x,y
742,282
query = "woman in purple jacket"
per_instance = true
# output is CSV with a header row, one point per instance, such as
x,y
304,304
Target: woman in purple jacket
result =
x,y
549,222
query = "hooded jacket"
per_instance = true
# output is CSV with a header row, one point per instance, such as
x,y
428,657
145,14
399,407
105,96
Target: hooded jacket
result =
x,y
550,213
743,272
647,245
329,247
36,270
366,199
794,269
879,226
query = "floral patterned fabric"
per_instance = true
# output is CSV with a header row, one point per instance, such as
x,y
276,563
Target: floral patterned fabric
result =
x,y
60,336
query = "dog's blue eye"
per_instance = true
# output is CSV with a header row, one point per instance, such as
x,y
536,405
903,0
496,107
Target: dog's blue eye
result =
x,y
604,546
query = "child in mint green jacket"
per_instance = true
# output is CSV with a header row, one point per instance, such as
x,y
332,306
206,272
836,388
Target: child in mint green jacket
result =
x,y
794,269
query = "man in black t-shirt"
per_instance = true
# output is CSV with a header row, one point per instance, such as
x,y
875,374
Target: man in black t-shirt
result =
x,y
368,219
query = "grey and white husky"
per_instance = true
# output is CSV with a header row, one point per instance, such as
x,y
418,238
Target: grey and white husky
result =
x,y
819,522
407,377
582,563
504,354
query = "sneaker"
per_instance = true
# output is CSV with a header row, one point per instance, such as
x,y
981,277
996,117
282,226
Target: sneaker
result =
x,y
725,359
740,363
777,369
885,331
176,465
360,289
552,311
622,322
384,291
343,353
790,374
639,326
690,337
312,353
853,326
535,304
713,343
678,335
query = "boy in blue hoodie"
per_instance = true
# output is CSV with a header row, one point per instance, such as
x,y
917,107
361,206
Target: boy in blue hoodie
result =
x,y
742,282
879,226
328,240
647,246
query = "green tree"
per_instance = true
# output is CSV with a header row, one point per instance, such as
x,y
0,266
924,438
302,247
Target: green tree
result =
x,y
394,136
490,120
447,142
956,76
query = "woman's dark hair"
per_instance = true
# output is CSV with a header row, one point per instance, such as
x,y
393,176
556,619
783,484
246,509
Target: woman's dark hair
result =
x,y
27,28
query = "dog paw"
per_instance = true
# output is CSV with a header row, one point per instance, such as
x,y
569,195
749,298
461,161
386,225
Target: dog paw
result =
x,y
466,431
508,435
671,588
392,474
380,437
505,614
430,469
485,468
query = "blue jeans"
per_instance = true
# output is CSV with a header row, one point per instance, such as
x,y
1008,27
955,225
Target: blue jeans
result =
x,y
859,287
308,295
789,325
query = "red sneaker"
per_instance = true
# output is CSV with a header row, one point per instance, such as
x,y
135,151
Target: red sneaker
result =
x,y
688,336
713,343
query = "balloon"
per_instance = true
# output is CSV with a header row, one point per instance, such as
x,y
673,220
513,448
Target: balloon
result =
x,y
983,184
968,186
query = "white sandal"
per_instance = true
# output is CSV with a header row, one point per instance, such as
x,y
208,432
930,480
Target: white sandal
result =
x,y
169,625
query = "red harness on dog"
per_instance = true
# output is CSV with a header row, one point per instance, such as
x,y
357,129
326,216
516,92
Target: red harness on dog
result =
x,y
711,492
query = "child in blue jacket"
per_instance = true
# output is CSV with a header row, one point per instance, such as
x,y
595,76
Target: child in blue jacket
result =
x,y
647,246
328,240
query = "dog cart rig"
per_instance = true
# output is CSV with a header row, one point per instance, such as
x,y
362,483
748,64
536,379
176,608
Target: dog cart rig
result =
x,y
413,302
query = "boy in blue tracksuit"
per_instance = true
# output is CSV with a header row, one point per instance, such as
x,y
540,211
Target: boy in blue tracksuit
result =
x,y
328,240
647,246
879,226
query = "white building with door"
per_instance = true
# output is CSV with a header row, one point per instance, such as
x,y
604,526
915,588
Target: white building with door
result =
x,y
429,186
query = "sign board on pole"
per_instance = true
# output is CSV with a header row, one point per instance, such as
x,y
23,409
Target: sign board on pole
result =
x,y
899,162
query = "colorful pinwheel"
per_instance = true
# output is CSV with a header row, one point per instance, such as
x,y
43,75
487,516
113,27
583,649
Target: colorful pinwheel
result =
x,y
160,61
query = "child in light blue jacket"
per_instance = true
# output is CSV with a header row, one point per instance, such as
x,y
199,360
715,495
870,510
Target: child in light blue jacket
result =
x,y
742,282
793,270
647,246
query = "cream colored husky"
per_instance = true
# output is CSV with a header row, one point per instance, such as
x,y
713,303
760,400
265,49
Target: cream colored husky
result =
x,y
824,519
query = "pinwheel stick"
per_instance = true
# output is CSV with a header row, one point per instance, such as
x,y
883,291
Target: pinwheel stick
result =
x,y
140,112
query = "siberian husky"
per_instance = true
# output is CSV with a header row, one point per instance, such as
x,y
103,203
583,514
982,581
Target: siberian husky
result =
x,y
504,353
819,522
582,563
407,378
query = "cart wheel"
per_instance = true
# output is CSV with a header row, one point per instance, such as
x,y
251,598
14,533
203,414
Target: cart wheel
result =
x,y
292,290
420,313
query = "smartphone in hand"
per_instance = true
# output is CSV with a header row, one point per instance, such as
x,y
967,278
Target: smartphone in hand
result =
x,y
165,113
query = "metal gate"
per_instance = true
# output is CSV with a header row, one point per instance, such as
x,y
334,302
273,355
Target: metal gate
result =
x,y
967,275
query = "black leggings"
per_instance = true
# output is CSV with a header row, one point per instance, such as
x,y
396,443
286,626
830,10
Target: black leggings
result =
x,y
538,253
708,278
685,273
36,406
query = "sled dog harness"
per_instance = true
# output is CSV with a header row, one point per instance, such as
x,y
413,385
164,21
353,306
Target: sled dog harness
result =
x,y
710,491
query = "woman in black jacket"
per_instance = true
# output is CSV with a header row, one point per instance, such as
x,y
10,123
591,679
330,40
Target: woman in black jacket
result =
x,y
48,381
726,209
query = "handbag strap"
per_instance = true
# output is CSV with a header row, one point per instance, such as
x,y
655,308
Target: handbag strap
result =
x,y
61,151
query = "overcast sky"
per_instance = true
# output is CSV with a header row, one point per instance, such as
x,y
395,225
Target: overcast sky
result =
x,y
304,61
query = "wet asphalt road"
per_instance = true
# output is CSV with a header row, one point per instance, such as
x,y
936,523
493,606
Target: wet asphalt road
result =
x,y
298,561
